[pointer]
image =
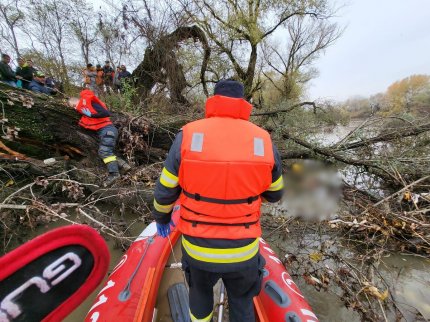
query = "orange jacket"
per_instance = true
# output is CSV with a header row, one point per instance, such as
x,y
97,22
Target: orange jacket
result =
x,y
91,123
226,163
99,77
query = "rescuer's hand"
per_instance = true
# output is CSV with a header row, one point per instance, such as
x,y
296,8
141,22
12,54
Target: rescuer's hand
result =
x,y
86,112
164,229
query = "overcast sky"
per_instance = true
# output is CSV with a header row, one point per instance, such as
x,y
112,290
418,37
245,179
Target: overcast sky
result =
x,y
384,40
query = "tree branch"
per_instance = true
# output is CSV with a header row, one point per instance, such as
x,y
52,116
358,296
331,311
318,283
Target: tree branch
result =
x,y
386,137
286,110
369,165
285,18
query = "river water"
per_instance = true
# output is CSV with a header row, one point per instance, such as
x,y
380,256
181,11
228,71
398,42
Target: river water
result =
x,y
408,275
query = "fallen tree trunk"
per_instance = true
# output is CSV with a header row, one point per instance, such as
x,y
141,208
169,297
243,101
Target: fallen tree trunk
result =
x,y
370,166
385,137
38,127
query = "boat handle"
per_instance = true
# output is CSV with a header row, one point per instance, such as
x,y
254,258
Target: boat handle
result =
x,y
276,293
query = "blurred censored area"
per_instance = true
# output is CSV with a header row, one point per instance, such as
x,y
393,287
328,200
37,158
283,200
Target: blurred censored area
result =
x,y
312,191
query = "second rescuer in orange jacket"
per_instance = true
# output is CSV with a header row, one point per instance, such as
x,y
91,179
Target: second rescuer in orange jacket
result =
x,y
96,117
221,168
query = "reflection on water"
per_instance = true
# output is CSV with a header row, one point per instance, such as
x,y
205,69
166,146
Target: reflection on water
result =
x,y
410,276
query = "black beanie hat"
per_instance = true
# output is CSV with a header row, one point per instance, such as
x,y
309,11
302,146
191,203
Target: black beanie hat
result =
x,y
229,88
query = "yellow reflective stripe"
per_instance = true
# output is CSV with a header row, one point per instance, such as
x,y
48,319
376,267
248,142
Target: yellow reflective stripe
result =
x,y
221,255
221,250
277,185
206,319
168,179
109,159
163,208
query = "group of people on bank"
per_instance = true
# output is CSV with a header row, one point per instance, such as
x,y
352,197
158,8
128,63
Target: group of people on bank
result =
x,y
26,76
99,79
105,79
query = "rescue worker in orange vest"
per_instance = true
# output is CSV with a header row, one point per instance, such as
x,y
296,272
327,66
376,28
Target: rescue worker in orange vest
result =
x,y
96,117
220,168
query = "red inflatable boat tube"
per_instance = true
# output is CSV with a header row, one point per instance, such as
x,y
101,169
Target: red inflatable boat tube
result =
x,y
48,277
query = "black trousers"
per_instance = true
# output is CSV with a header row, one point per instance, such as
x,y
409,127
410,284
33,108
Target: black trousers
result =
x,y
241,287
108,136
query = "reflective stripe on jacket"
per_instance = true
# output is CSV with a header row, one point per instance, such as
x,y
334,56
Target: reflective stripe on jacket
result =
x,y
91,123
220,255
226,164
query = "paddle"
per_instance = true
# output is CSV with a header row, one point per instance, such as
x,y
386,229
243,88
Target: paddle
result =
x,y
48,277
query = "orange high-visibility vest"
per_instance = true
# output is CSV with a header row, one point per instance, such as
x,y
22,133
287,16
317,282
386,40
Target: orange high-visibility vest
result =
x,y
87,97
226,163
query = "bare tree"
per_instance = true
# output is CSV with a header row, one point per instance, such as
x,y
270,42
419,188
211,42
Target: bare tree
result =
x,y
239,28
49,24
113,40
83,25
11,19
307,39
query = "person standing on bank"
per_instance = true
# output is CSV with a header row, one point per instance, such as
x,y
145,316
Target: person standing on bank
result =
x,y
19,72
96,117
221,168
108,74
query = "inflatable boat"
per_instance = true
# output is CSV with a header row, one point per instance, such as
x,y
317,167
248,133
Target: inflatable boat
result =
x,y
148,285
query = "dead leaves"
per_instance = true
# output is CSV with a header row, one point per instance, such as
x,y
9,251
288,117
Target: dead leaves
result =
x,y
26,101
9,183
344,272
311,280
389,229
11,133
316,257
373,291
41,181
319,283
73,189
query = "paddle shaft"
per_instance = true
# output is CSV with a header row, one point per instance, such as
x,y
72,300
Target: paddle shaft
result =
x,y
221,302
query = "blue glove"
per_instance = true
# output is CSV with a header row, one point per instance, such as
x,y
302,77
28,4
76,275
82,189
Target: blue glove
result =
x,y
86,112
164,229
